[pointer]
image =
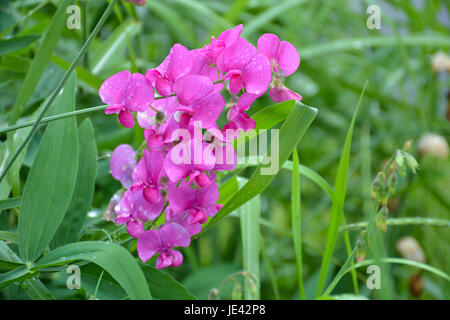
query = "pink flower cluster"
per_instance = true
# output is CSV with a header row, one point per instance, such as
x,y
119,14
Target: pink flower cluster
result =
x,y
189,84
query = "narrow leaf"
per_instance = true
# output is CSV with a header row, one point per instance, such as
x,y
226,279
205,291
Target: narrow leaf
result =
x,y
51,180
249,214
116,260
76,214
337,205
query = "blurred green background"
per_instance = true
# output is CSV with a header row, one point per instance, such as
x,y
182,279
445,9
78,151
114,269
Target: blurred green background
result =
x,y
406,97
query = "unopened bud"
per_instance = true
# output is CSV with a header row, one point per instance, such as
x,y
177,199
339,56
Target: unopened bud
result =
x,y
380,219
407,145
401,163
361,248
392,183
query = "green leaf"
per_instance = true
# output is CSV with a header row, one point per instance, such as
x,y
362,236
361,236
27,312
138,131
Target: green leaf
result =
x,y
51,180
83,75
8,236
249,214
337,205
163,286
112,47
76,214
16,43
40,61
18,274
10,203
116,260
296,222
290,135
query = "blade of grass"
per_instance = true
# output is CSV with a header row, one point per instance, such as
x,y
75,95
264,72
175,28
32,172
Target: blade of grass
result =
x,y
269,269
337,206
249,215
296,217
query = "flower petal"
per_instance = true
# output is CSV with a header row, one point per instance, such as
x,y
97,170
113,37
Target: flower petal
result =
x,y
268,45
114,89
257,75
288,58
191,88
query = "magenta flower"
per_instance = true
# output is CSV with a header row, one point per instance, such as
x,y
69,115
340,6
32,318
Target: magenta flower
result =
x,y
176,64
130,211
162,241
122,164
146,178
280,93
211,52
245,68
186,147
282,55
191,159
125,93
199,101
196,204
236,115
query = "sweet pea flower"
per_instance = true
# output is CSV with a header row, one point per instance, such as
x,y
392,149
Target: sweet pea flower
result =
x,y
122,164
245,68
198,100
191,158
176,64
125,93
211,52
196,204
282,55
132,211
278,91
146,177
184,220
281,93
162,241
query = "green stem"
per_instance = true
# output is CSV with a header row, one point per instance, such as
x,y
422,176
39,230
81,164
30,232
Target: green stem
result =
x,y
431,222
60,86
53,118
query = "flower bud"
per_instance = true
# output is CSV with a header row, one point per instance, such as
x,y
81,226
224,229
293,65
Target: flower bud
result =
x,y
361,248
433,144
380,219
392,183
